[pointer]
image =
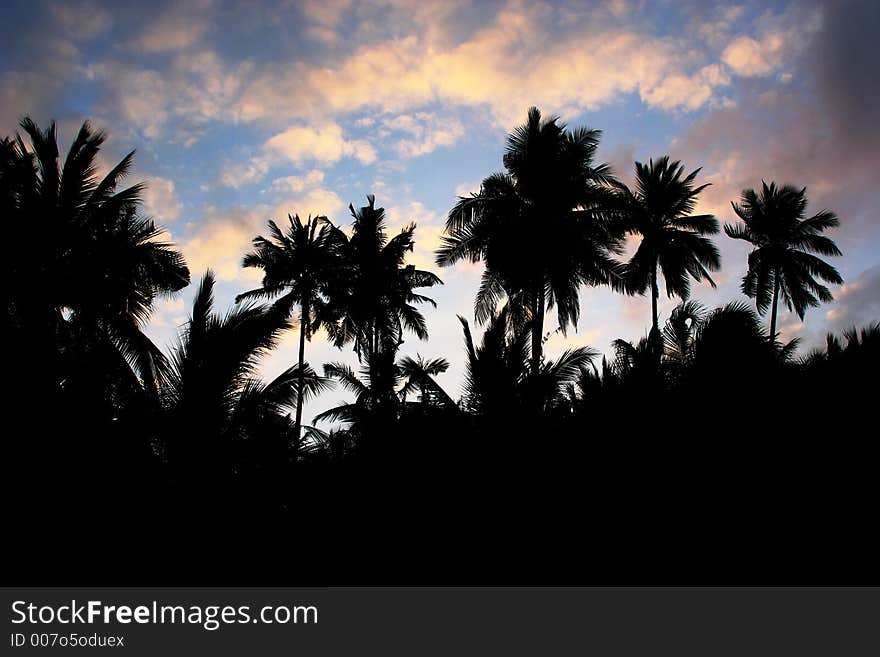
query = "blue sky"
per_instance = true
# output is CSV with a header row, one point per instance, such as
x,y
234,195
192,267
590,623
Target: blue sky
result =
x,y
244,111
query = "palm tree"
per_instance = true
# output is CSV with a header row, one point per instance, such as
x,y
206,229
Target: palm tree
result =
x,y
77,305
107,265
498,380
540,228
214,409
783,259
300,264
418,374
374,297
673,240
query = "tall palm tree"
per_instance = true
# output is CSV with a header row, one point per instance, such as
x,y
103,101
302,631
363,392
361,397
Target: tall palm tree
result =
x,y
673,240
540,228
783,260
374,298
299,263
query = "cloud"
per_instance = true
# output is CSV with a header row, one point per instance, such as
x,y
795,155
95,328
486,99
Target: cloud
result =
x,y
297,184
220,239
37,90
427,131
82,20
191,90
504,66
180,27
857,303
322,143
749,57
161,201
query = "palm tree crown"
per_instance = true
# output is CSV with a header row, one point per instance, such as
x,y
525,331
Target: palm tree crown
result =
x,y
783,260
300,263
374,297
539,228
673,240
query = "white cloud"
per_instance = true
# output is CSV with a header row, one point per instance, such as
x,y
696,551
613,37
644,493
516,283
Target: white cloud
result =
x,y
427,131
297,184
322,143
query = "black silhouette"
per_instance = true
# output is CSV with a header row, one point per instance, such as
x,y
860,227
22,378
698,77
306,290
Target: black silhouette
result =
x,y
543,229
707,446
672,238
785,242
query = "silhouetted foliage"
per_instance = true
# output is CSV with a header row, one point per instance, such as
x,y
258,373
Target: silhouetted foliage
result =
x,y
783,259
542,228
673,240
705,432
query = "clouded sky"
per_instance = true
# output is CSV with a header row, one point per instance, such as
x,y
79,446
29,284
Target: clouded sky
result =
x,y
245,111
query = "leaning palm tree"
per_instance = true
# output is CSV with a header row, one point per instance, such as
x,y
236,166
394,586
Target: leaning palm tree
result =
x,y
783,260
540,228
299,264
673,239
374,294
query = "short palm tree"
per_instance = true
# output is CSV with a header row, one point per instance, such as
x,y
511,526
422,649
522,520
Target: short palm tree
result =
x,y
784,259
214,408
498,379
418,374
673,239
540,228
299,263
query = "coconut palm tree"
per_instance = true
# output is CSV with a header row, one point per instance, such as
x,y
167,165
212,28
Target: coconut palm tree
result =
x,y
673,239
498,378
418,374
107,264
214,408
374,297
784,259
540,228
299,263
77,307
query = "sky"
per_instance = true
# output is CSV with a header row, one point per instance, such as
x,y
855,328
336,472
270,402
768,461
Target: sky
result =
x,y
245,111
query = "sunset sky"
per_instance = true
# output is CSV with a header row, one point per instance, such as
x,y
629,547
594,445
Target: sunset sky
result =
x,y
244,111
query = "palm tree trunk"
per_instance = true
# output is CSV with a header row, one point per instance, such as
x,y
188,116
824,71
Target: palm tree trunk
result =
x,y
775,302
303,321
655,292
537,328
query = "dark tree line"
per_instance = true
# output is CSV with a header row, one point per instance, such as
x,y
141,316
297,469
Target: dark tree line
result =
x,y
707,417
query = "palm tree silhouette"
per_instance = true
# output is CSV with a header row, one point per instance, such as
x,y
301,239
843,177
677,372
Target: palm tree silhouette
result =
x,y
540,228
783,259
299,263
214,407
418,374
672,239
499,382
374,298
107,266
